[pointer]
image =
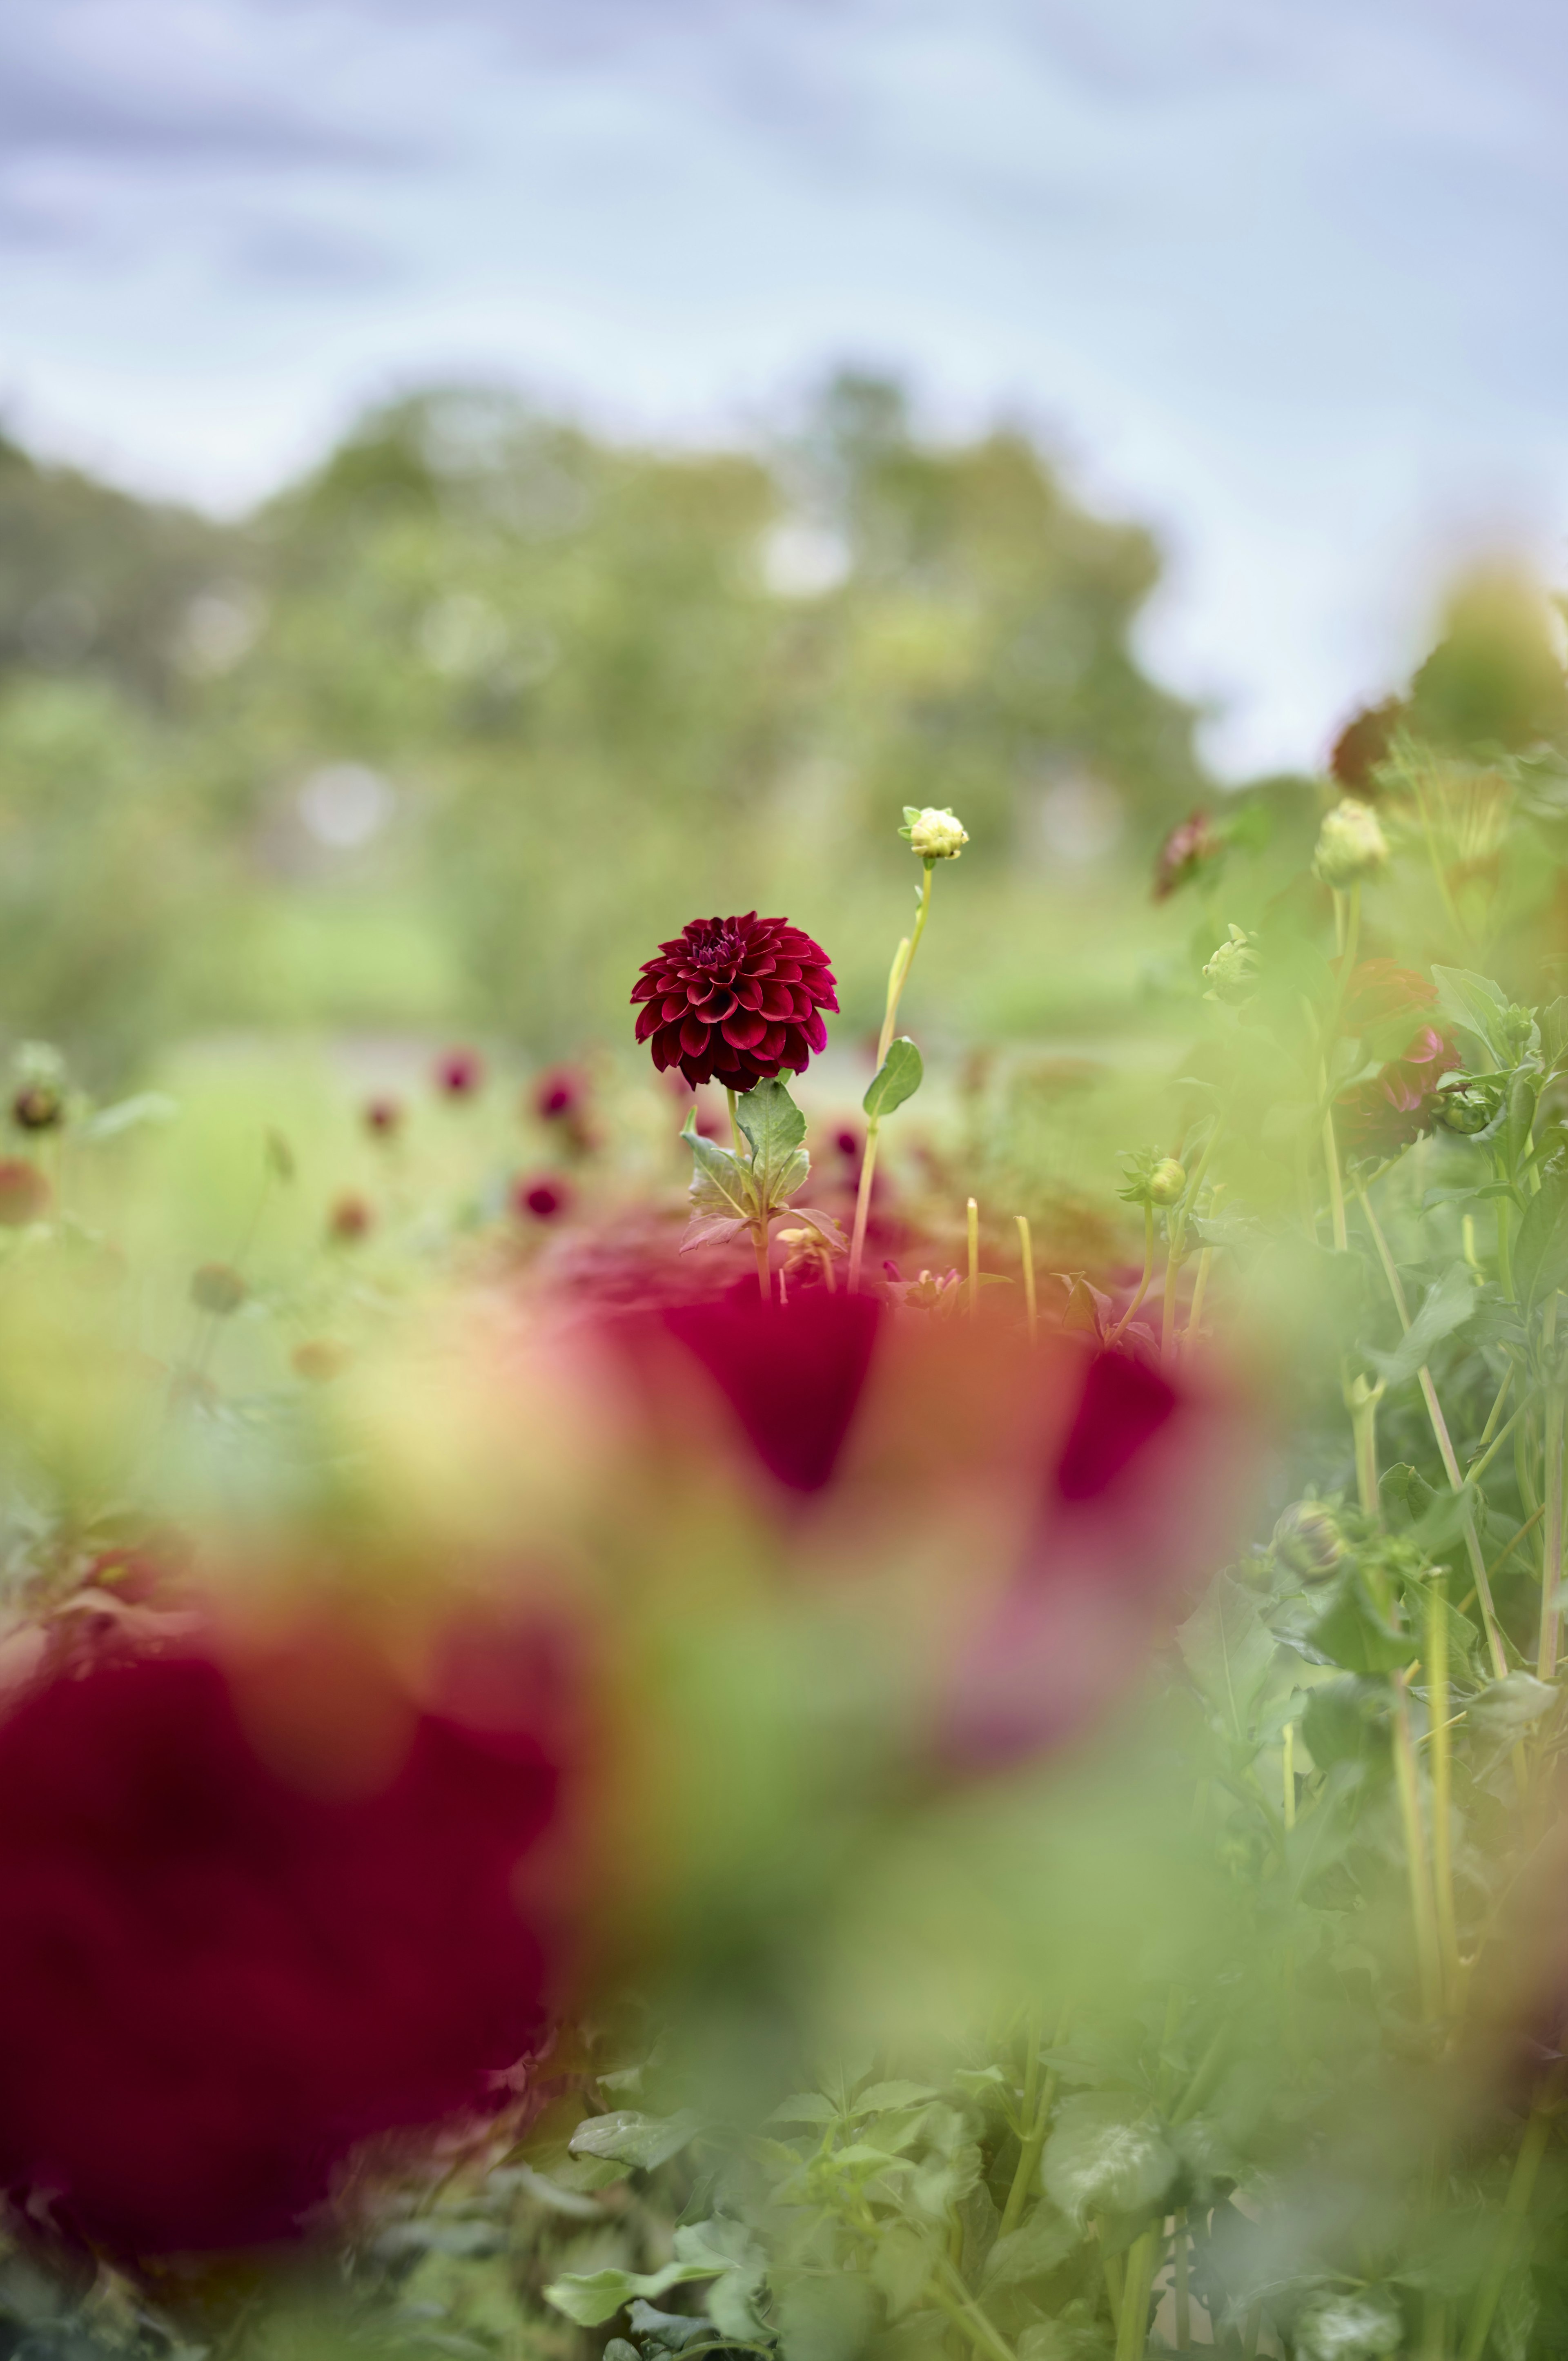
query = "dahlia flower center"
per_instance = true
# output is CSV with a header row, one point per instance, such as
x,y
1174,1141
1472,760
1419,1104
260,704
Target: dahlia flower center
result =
x,y
719,951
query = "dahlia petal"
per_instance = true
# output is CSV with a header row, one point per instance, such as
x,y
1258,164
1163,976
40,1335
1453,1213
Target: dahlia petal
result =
x,y
816,1034
694,1036
647,1022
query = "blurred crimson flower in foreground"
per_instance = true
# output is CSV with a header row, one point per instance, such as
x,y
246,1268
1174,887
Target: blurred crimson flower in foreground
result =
x,y
1386,1009
1082,1497
23,1192
215,1977
736,1001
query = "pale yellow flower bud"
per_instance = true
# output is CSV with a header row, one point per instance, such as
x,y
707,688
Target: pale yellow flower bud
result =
x,y
1167,1181
934,835
1351,844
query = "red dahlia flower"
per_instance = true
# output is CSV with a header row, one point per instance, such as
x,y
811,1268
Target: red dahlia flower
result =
x,y
215,1978
1386,1008
736,1001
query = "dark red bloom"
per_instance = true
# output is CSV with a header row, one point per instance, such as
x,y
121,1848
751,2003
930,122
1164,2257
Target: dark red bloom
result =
x,y
459,1073
383,1117
23,1192
213,1980
562,1091
736,1001
544,1198
1385,1010
1190,845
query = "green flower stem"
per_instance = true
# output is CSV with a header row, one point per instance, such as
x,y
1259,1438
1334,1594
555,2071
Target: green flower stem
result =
x,y
1552,1532
1445,1445
1505,1253
1143,2262
1362,1401
1116,2287
1440,1759
966,2314
741,1150
1424,1913
1026,1251
1036,2122
1336,1186
1516,2209
1183,2299
1144,1283
974,1213
902,961
1176,1234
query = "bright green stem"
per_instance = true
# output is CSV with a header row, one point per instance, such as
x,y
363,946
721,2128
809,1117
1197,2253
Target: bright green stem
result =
x,y
1441,1760
1143,2261
1445,1446
902,961
1336,1186
1362,1401
1505,1251
1183,2300
961,2309
1036,2122
1026,1252
1423,1916
1516,2209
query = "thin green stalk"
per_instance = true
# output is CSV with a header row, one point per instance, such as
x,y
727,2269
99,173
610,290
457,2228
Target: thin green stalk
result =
x,y
1143,2262
1183,2299
974,1213
1027,1250
1144,1282
1516,2210
1423,1917
902,961
1441,1759
1552,1532
1445,1445
1036,2122
965,2312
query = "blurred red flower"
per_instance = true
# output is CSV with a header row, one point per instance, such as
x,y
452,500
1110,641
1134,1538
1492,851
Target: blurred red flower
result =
x,y
215,1978
544,1198
383,1117
23,1192
351,1218
792,1377
1386,1009
459,1073
736,1001
563,1092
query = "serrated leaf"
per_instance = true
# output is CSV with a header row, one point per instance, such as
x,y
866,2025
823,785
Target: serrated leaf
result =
x,y
720,1183
641,2141
1106,2154
898,1078
1030,2253
710,1230
775,1128
1447,1305
804,2107
881,2096
590,2298
1227,1648
1352,1631
1473,1005
1541,1249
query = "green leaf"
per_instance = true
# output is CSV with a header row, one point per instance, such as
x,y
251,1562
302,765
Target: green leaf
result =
x,y
1504,1709
1474,1004
825,2319
1030,2253
901,2265
1352,1631
1448,1305
898,1078
128,1114
1464,1639
775,1126
881,2096
591,2297
710,1230
720,1183
1541,1249
642,2141
1106,2154
1345,1721
1228,1648
804,2107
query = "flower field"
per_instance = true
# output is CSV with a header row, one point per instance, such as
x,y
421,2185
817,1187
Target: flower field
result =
x,y
803,1684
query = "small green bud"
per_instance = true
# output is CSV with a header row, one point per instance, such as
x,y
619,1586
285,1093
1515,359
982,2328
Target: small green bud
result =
x,y
934,835
1467,1106
1351,844
1167,1181
1307,1540
1232,971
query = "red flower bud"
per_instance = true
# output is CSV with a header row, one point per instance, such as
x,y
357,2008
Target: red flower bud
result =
x,y
459,1073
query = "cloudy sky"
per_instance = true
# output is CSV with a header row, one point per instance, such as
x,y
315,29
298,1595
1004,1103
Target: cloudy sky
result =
x,y
1285,277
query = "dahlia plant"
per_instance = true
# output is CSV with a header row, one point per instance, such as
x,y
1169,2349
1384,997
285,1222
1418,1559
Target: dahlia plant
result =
x,y
560,1798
